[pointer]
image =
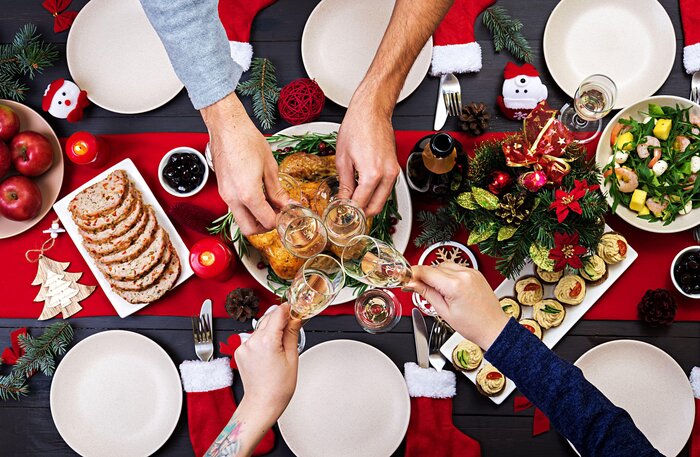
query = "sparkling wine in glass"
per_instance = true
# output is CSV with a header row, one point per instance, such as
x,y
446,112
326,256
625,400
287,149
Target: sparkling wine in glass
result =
x,y
377,311
375,263
344,220
315,286
593,100
302,232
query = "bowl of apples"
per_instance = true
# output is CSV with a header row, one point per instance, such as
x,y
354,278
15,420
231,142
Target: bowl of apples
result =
x,y
31,168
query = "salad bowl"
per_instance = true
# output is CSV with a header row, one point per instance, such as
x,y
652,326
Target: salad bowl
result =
x,y
639,111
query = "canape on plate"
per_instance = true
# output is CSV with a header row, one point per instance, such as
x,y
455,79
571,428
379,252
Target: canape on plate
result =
x,y
548,313
511,307
570,290
490,381
594,270
549,277
467,356
528,290
612,248
532,326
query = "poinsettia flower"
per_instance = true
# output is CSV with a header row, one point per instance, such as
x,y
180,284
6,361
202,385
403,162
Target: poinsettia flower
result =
x,y
567,201
567,251
583,185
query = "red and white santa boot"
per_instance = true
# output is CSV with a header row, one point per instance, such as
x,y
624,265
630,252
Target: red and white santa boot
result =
x,y
237,18
522,91
690,16
210,403
455,49
431,432
63,99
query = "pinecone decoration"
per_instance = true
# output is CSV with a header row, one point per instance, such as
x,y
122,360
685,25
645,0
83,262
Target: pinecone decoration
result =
x,y
658,307
242,304
474,119
513,209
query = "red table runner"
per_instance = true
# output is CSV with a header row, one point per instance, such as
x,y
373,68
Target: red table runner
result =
x,y
650,270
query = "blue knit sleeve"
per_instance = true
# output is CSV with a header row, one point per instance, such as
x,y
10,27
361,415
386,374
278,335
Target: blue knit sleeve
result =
x,y
197,46
578,410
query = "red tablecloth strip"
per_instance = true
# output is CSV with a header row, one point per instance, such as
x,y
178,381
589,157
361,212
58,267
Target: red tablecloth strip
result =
x,y
651,270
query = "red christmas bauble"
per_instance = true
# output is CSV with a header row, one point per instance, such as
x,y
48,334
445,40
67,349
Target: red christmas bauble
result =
x,y
301,101
533,180
500,181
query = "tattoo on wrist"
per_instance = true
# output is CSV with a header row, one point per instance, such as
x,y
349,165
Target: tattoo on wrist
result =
x,y
228,443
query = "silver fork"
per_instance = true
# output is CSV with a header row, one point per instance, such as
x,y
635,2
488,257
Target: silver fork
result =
x,y
695,88
439,333
452,93
203,339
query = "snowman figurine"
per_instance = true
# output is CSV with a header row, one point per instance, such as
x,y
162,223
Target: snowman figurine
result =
x,y
64,100
522,91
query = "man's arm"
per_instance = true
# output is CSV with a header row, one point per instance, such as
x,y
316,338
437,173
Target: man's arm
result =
x,y
199,51
366,141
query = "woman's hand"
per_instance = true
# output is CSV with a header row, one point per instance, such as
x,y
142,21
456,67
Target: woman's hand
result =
x,y
463,298
268,364
243,162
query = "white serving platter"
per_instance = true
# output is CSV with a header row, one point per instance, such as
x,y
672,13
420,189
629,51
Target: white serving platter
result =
x,y
552,336
123,307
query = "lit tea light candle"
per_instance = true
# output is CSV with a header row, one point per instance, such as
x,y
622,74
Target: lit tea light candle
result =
x,y
83,148
210,258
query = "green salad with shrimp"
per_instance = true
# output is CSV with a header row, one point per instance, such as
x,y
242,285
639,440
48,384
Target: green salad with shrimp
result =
x,y
655,162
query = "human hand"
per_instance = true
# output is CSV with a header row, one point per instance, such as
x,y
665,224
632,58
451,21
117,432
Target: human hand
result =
x,y
243,162
463,298
366,144
268,364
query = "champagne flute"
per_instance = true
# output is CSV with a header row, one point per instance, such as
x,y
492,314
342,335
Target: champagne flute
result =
x,y
377,310
375,263
315,286
343,218
593,100
302,232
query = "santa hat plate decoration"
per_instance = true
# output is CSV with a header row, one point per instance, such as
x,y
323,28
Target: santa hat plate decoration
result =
x,y
237,18
455,49
522,91
63,99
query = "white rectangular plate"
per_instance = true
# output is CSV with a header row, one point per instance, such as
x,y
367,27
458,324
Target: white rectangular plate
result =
x,y
553,335
123,307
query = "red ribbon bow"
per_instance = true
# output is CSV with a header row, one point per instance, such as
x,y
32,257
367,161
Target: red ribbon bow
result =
x,y
541,145
229,348
540,422
11,354
62,20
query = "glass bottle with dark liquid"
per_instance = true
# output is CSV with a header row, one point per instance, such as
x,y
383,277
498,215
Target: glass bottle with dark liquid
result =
x,y
430,165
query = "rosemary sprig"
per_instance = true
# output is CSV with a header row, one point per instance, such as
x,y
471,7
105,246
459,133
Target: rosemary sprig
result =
x,y
223,227
308,142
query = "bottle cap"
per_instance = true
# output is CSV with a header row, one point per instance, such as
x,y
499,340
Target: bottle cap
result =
x,y
442,144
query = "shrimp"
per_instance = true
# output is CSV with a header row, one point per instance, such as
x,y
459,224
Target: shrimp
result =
x,y
657,207
643,148
691,181
627,179
694,118
681,143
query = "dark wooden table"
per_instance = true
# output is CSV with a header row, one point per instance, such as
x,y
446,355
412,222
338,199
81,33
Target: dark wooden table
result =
x,y
26,428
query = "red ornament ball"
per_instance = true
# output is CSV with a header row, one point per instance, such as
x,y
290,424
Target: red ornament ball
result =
x,y
301,101
500,181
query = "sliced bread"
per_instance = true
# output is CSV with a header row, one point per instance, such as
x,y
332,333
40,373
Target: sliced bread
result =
x,y
157,289
142,241
149,278
101,197
142,264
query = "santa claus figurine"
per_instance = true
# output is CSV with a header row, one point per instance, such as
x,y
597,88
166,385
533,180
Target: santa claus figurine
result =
x,y
64,100
522,91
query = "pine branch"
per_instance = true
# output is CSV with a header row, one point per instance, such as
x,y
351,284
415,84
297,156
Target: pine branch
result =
x,y
27,56
435,227
41,351
13,387
262,87
506,33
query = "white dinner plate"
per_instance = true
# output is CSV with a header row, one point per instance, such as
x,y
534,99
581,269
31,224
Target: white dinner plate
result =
x,y
647,383
351,400
630,41
604,152
123,307
116,393
114,54
401,237
552,336
339,42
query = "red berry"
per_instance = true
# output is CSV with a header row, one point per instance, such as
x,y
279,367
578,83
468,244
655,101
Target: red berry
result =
x,y
322,146
261,265
392,230
393,220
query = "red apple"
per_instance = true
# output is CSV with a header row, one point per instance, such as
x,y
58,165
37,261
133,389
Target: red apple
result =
x,y
9,123
5,159
20,198
32,154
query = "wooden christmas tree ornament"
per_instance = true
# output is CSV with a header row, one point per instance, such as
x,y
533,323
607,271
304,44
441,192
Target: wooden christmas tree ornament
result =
x,y
60,290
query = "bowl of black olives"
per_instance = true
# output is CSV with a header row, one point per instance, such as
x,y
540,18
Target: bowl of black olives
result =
x,y
183,172
685,272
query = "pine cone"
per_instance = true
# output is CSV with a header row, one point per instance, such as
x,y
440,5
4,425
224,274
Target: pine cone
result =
x,y
242,304
513,209
658,307
474,119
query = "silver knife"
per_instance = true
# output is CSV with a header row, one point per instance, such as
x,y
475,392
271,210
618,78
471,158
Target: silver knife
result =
x,y
441,109
420,335
206,312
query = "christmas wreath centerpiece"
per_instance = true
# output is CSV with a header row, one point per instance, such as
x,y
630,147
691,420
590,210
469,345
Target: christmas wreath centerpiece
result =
x,y
533,196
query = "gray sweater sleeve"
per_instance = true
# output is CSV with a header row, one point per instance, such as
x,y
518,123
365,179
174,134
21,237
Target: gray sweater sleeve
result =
x,y
197,46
